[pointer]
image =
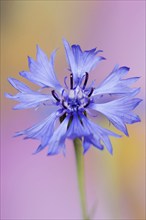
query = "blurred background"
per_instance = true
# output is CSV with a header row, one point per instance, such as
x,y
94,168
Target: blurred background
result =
x,y
41,187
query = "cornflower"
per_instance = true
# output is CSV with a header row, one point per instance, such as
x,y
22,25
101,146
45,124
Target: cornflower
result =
x,y
76,101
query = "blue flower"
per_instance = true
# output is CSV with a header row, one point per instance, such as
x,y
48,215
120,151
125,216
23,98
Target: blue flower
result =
x,y
113,98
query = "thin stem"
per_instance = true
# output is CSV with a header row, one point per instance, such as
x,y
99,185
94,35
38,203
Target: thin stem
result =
x,y
80,176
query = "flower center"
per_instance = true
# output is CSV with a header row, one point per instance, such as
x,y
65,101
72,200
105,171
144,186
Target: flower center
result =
x,y
76,98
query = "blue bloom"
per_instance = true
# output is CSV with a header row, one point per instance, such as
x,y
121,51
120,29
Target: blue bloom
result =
x,y
114,98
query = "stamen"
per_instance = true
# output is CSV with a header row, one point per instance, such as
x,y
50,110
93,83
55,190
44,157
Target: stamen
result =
x,y
86,80
92,89
64,104
71,81
55,95
87,103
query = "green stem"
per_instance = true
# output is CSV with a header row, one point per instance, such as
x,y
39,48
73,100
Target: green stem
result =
x,y
80,176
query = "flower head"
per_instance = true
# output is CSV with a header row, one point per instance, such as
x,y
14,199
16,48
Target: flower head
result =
x,y
76,100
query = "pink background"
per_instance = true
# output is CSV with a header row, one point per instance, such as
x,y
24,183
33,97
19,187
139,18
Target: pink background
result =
x,y
41,187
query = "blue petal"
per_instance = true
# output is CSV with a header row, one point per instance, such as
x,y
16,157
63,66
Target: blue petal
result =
x,y
42,131
94,140
119,111
76,129
57,141
27,97
42,71
70,59
114,84
86,145
19,85
80,61
98,134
